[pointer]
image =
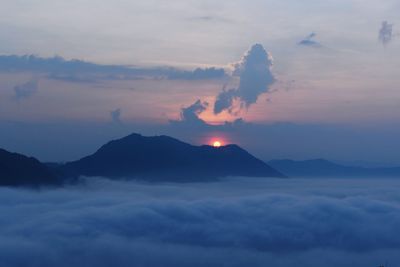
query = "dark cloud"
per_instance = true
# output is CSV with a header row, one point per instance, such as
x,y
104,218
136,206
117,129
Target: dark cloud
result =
x,y
26,90
189,119
225,101
237,222
81,71
55,64
190,115
255,79
386,33
310,41
116,115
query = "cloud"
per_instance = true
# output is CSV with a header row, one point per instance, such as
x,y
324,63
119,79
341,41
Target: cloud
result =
x,y
26,90
116,115
73,78
310,42
225,100
58,68
55,64
189,119
190,115
236,222
386,33
197,74
210,18
256,77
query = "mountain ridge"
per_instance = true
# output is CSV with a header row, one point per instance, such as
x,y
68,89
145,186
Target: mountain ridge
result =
x,y
19,170
326,168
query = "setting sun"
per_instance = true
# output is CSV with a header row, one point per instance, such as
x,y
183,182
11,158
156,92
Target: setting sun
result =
x,y
217,144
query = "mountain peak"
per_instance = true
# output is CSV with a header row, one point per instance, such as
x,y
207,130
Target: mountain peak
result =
x,y
166,158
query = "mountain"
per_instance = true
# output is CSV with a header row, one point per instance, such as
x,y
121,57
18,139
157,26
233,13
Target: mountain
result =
x,y
168,159
325,168
19,170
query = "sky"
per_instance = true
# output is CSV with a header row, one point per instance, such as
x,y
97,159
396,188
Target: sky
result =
x,y
284,79
233,222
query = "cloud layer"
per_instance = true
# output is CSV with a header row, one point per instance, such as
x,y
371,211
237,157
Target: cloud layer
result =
x,y
255,79
237,222
81,71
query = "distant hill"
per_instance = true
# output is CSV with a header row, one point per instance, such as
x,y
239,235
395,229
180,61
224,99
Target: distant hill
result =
x,y
168,159
19,170
325,168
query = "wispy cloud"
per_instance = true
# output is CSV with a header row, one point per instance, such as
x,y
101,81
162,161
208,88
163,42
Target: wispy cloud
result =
x,y
310,41
210,18
386,33
26,90
116,115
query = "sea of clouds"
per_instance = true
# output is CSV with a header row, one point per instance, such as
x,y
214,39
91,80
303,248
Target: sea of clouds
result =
x,y
234,222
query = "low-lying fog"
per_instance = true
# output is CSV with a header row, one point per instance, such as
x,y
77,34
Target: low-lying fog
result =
x,y
235,222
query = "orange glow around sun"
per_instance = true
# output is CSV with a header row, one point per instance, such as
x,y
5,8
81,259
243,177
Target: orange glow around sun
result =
x,y
217,144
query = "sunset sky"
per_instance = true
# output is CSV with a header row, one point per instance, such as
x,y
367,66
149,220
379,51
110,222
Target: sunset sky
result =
x,y
284,79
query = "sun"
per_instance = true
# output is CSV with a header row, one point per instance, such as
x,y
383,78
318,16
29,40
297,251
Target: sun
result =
x,y
217,144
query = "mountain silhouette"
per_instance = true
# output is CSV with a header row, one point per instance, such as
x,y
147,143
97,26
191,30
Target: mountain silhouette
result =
x,y
163,158
20,170
325,168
